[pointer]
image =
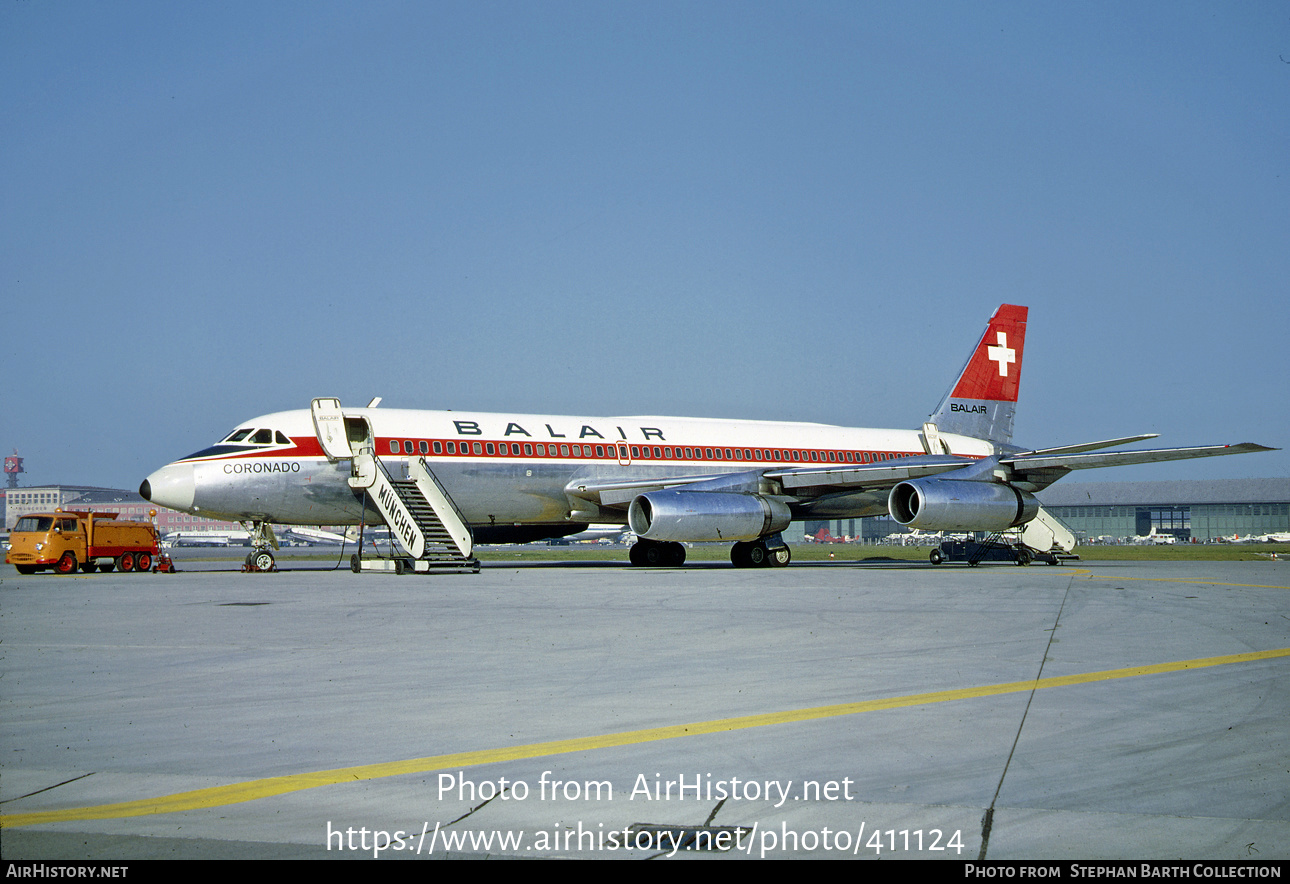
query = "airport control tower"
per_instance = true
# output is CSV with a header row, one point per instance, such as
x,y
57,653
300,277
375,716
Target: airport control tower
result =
x,y
12,467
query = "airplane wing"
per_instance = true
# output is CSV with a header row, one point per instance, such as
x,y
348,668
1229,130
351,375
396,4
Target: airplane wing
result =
x,y
1031,470
804,481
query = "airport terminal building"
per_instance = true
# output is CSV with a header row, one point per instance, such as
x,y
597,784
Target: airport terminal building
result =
x,y
19,502
1203,511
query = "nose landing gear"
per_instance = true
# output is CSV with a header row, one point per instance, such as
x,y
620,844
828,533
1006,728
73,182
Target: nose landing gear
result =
x,y
260,559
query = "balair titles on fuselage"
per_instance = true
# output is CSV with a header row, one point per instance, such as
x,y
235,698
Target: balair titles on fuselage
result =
x,y
472,428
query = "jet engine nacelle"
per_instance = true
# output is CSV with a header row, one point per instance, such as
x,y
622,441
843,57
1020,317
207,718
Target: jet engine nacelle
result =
x,y
951,505
706,516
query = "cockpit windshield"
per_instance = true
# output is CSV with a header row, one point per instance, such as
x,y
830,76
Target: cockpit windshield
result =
x,y
253,436
243,440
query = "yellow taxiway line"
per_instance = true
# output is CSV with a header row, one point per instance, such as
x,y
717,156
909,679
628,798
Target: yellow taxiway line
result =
x,y
252,790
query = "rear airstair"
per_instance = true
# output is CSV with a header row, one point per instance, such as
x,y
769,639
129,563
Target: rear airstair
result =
x,y
1046,539
424,522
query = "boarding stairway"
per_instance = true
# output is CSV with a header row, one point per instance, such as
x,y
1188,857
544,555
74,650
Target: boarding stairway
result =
x,y
423,520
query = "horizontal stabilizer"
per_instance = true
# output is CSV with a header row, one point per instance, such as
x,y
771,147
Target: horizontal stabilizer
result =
x,y
1042,460
1091,446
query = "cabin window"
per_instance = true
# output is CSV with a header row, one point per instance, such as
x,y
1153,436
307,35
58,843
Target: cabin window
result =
x,y
407,446
479,449
490,449
394,446
423,446
438,447
528,449
600,451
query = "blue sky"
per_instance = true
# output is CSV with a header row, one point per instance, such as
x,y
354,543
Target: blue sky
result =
x,y
790,211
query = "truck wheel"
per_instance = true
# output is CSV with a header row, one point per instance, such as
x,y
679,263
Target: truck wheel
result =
x,y
67,564
89,567
26,569
143,561
125,562
935,557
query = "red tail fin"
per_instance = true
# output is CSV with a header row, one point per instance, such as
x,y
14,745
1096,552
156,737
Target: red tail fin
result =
x,y
994,371
983,400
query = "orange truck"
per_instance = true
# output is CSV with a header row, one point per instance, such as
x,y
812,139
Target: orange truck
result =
x,y
67,539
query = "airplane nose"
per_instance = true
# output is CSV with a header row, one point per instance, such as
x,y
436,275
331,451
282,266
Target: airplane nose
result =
x,y
171,486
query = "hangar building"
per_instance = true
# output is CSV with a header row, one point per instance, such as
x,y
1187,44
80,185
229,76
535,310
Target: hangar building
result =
x,y
1190,510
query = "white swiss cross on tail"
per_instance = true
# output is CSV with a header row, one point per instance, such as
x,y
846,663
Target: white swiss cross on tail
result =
x,y
993,371
981,403
1002,354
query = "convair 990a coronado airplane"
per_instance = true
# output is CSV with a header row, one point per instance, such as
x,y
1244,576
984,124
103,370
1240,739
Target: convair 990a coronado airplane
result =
x,y
444,479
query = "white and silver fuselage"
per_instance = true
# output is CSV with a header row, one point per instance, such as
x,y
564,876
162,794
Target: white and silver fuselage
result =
x,y
511,474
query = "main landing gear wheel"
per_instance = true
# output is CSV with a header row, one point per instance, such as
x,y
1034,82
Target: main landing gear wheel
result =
x,y
654,553
757,554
